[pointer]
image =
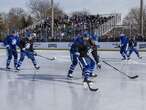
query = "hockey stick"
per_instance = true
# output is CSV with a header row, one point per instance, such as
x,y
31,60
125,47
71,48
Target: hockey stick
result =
x,y
53,58
90,88
131,77
35,54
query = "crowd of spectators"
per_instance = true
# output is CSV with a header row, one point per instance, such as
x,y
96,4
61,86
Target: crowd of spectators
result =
x,y
66,27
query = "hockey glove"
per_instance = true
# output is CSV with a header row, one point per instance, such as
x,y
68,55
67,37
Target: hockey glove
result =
x,y
34,53
23,49
8,47
77,53
98,66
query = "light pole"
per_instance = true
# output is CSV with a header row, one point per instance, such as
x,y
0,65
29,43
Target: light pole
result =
x,y
52,23
141,18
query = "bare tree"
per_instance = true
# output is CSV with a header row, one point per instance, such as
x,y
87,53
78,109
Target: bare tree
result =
x,y
2,27
132,19
42,8
16,12
1,22
80,13
14,18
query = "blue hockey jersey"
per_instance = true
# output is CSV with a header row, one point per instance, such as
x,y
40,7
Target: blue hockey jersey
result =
x,y
76,42
123,40
11,41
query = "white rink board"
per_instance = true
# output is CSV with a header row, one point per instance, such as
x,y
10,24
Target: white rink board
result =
x,y
66,45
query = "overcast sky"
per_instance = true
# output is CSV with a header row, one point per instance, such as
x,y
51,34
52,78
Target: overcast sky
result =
x,y
94,6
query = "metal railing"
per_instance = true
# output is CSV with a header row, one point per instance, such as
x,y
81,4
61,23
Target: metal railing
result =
x,y
109,25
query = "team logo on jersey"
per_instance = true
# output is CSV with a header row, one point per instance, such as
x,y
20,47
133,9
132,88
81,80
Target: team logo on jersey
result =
x,y
14,42
27,46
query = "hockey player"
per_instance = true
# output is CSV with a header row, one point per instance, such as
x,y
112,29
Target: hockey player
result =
x,y
123,46
26,48
81,46
132,47
84,48
11,42
94,41
75,54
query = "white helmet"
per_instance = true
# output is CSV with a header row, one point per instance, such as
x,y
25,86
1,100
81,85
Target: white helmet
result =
x,y
34,34
122,34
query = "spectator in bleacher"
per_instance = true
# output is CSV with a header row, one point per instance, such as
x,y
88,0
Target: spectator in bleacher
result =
x,y
65,27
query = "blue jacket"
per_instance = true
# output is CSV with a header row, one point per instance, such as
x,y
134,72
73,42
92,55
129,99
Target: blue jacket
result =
x,y
76,42
123,40
11,41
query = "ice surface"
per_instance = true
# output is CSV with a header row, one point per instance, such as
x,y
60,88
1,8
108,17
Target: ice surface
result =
x,y
48,88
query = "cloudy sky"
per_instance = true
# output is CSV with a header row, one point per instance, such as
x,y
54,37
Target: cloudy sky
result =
x,y
94,6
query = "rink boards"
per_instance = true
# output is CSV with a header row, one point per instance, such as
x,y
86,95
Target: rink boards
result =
x,y
66,45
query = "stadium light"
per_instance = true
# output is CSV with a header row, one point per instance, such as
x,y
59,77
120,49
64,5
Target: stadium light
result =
x,y
141,18
52,8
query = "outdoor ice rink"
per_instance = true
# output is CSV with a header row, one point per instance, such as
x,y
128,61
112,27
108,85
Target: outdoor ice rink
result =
x,y
48,88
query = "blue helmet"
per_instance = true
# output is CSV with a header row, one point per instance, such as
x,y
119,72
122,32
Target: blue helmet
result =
x,y
94,37
86,34
122,34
